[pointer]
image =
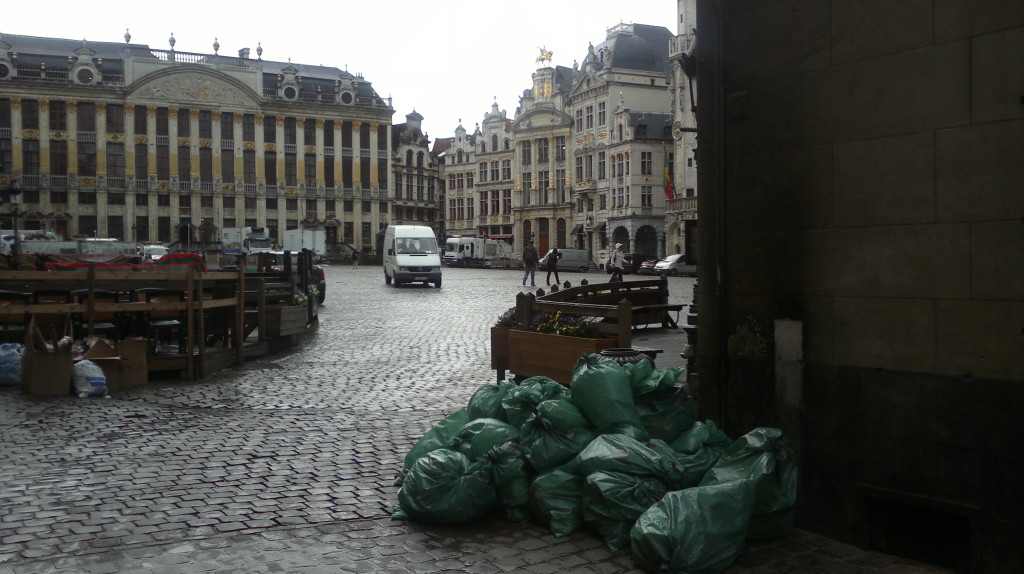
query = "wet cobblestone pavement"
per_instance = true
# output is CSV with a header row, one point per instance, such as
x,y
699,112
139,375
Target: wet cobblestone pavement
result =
x,y
287,463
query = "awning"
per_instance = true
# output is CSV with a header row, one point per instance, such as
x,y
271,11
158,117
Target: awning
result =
x,y
578,230
599,228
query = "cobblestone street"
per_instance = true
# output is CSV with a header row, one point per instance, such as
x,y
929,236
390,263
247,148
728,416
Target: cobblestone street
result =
x,y
287,463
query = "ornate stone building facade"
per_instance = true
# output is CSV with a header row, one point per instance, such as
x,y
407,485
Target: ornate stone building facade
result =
x,y
416,195
681,211
495,159
459,172
127,141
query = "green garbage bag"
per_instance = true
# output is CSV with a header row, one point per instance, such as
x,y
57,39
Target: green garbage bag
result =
x,y
694,531
701,434
437,437
556,500
523,398
511,479
477,437
665,406
621,453
612,502
444,487
762,457
486,401
554,434
602,391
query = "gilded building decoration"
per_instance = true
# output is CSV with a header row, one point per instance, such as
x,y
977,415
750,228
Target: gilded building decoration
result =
x,y
163,185
151,111
129,109
373,126
172,113
238,119
602,135
72,107
54,136
356,126
44,105
141,139
228,187
260,118
115,138
300,122
310,149
205,142
320,123
87,181
291,190
269,147
579,141
197,87
101,107
249,146
184,141
280,120
32,134
16,104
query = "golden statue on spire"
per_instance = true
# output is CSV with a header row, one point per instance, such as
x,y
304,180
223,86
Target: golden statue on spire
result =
x,y
545,55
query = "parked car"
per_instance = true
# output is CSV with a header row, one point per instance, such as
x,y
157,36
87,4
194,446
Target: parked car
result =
x,y
647,267
674,265
633,262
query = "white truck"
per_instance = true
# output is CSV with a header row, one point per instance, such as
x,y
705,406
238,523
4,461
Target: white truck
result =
x,y
245,240
475,252
296,240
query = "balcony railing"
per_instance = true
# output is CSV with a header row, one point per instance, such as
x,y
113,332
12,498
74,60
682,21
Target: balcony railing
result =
x,y
117,182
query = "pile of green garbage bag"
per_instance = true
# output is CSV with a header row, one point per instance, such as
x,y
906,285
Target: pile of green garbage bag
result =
x,y
619,452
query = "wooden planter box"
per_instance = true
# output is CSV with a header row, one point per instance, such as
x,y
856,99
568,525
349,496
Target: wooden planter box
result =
x,y
499,348
531,354
284,320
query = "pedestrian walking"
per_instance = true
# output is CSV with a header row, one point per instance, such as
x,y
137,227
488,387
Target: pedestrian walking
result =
x,y
552,264
530,264
616,262
355,259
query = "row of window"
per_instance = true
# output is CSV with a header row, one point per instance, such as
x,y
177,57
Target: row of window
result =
x,y
86,114
585,117
492,202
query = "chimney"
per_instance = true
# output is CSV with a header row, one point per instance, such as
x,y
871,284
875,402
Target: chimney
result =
x,y
244,53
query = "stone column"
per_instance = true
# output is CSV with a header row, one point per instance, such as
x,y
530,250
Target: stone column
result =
x,y
357,159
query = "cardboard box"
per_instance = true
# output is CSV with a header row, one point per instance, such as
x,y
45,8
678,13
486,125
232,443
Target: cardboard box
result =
x,y
123,363
45,370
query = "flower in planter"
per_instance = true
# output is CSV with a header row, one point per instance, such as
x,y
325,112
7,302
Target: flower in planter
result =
x,y
507,319
567,324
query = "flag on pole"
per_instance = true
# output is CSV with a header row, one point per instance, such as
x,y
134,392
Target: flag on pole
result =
x,y
670,191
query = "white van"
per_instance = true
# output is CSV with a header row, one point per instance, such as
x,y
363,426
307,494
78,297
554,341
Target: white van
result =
x,y
573,260
411,254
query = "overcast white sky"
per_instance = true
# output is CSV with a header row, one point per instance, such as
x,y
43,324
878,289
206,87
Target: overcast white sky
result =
x,y
448,59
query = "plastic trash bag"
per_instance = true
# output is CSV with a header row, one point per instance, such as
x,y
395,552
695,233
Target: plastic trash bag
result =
x,y
444,487
602,391
621,453
486,401
762,457
477,437
10,364
556,500
88,380
438,437
704,433
511,479
523,398
697,530
554,434
665,405
613,501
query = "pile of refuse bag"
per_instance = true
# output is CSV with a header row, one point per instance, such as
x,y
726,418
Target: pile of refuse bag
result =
x,y
618,452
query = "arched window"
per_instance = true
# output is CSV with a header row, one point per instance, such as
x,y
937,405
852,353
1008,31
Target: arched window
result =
x,y
408,157
483,147
508,144
419,159
458,157
494,142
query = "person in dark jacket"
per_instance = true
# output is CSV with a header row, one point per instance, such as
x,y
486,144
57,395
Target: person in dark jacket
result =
x,y
552,264
530,264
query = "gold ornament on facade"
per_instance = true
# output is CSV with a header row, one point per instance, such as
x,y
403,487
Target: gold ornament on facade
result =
x,y
32,134
72,107
101,107
172,112
249,146
193,113
579,141
151,111
184,141
87,182
280,120
260,118
129,109
16,104
356,126
54,136
228,187
163,185
310,149
140,139
115,138
215,115
300,122
291,190
602,135
374,126
269,147
238,119
205,143
319,123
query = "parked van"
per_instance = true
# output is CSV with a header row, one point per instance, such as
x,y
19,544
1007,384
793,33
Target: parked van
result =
x,y
574,260
411,254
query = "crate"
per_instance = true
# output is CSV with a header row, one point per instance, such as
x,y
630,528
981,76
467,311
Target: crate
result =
x,y
284,320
